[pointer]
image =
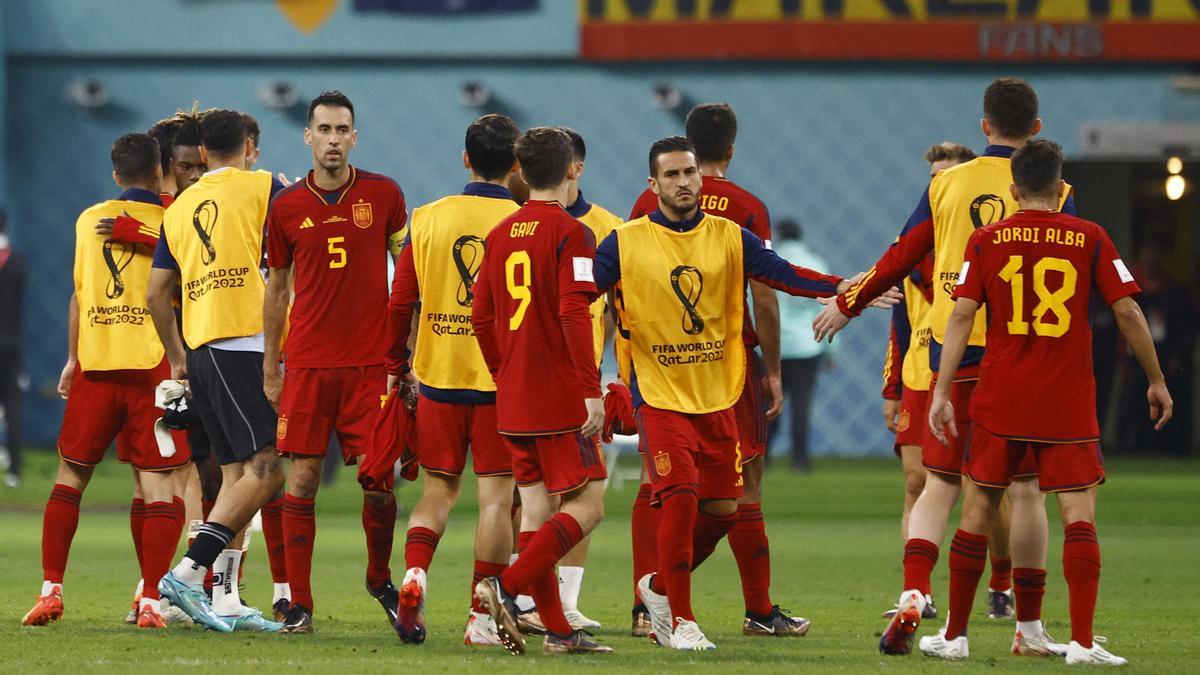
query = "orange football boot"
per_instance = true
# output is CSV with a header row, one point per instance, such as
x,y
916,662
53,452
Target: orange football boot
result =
x,y
49,608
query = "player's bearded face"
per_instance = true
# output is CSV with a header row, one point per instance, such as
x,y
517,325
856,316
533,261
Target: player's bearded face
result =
x,y
677,181
331,135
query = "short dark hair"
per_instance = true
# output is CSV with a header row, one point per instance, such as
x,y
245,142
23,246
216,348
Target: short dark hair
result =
x,y
712,128
134,157
1010,105
947,150
1037,168
665,145
332,98
489,145
252,130
165,131
577,144
545,155
222,132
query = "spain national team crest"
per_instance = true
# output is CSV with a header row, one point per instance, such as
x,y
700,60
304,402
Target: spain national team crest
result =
x,y
662,464
903,421
281,428
362,214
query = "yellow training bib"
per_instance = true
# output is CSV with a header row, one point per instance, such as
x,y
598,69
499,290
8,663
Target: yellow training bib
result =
x,y
682,298
111,278
447,248
215,232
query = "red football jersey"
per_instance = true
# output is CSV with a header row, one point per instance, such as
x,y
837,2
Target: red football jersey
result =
x,y
1035,271
338,242
531,319
722,197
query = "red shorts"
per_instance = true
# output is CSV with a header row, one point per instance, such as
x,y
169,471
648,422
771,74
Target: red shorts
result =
x,y
948,459
108,405
750,409
446,430
912,420
993,461
564,462
697,450
316,401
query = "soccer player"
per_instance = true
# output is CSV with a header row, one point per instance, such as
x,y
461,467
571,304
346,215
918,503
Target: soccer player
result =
x,y
115,361
456,407
530,315
712,130
958,201
1036,395
907,375
332,231
211,244
681,273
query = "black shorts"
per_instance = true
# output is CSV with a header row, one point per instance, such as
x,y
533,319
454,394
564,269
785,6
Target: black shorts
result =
x,y
227,390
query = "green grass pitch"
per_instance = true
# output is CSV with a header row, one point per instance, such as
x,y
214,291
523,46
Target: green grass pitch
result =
x,y
836,559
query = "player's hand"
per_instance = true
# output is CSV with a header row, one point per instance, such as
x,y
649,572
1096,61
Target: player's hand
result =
x,y
284,179
1161,405
891,410
104,228
66,378
179,372
829,322
890,298
272,384
595,417
941,419
775,389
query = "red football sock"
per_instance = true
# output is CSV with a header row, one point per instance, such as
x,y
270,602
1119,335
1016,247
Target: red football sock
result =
x,y
1081,567
674,577
419,545
920,555
544,591
644,528
58,529
707,533
272,524
137,520
157,545
1001,574
1029,586
748,541
968,557
554,539
483,570
379,524
300,529
180,521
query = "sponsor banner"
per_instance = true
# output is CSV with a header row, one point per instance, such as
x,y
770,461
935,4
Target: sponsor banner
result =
x,y
934,30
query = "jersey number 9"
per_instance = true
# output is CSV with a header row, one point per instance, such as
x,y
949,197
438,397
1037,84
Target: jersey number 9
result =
x,y
518,260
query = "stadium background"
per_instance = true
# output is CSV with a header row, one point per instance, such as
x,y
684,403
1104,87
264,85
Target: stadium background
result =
x,y
836,144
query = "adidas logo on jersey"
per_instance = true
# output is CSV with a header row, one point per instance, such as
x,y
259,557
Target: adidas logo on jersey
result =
x,y
307,224
333,219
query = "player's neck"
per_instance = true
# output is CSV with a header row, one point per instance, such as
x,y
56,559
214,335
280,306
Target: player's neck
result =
x,y
1038,204
147,186
572,193
1007,142
476,178
330,180
557,193
713,169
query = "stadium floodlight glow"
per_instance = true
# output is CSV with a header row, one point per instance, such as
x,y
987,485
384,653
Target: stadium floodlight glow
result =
x,y
474,94
1176,185
1174,165
87,93
279,95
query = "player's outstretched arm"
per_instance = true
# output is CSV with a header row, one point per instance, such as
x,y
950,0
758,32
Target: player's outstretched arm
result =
x,y
831,320
958,331
765,266
275,307
1132,324
158,300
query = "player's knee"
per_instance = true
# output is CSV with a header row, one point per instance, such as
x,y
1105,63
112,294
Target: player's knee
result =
x,y
914,482
718,507
267,467
379,500
73,475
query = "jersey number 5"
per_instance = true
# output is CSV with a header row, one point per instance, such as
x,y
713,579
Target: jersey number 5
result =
x,y
339,254
518,260
1049,302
